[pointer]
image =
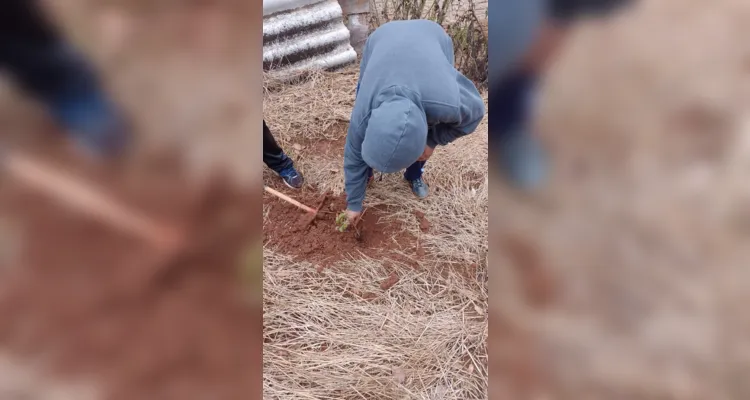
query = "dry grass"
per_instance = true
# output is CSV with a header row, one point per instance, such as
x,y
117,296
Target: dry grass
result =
x,y
426,335
423,338
309,110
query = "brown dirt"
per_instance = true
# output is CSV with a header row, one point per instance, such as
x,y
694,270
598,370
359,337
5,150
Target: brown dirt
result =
x,y
424,224
188,333
287,231
539,285
322,148
390,281
331,146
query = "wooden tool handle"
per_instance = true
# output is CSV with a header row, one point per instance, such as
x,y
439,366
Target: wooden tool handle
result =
x,y
290,200
86,199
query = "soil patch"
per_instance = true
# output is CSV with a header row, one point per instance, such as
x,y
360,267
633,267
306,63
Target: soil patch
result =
x,y
332,145
424,223
539,284
287,231
187,333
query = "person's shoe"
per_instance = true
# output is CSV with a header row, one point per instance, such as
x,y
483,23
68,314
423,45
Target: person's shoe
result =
x,y
292,178
419,188
523,161
83,109
108,140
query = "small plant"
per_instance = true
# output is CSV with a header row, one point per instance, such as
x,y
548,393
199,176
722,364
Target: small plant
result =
x,y
342,222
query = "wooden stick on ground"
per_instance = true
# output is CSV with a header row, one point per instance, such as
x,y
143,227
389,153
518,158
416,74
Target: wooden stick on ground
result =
x,y
86,199
290,200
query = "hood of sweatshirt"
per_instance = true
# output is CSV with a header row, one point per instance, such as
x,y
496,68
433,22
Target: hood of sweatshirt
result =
x,y
396,133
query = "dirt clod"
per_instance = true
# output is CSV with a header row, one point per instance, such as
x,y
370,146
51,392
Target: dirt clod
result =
x,y
390,281
539,285
424,224
420,250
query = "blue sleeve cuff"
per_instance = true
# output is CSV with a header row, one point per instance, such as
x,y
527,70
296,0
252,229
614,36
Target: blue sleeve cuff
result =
x,y
356,207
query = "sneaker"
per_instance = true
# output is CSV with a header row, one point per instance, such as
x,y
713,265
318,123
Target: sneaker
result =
x,y
82,108
419,188
292,178
109,140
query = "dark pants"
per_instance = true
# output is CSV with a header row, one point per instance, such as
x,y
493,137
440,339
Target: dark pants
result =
x,y
510,106
513,146
273,155
414,171
43,64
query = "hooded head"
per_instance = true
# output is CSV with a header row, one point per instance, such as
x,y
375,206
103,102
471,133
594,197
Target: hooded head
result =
x,y
396,134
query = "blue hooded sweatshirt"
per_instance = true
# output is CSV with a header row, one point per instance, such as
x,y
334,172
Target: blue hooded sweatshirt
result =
x,y
409,96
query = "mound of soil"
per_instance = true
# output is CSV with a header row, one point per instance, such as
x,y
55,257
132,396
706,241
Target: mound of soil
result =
x,y
290,231
189,332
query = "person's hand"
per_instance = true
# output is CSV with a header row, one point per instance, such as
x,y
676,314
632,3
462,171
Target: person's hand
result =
x,y
352,216
347,218
426,154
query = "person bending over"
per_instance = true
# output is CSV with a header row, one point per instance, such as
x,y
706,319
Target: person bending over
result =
x,y
409,99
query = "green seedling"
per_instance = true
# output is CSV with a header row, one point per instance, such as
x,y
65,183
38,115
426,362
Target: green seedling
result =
x,y
342,222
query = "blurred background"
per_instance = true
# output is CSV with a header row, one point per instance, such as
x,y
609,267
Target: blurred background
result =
x,y
624,276
133,275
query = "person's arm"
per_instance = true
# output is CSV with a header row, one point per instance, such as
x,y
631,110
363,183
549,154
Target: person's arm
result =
x,y
470,113
356,172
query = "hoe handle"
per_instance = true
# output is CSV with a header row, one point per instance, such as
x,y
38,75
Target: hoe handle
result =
x,y
84,198
290,200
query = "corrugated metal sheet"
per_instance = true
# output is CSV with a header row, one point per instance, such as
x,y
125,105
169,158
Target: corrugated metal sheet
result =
x,y
304,34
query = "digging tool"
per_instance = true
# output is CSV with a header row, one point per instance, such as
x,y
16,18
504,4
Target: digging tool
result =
x,y
291,201
312,212
84,198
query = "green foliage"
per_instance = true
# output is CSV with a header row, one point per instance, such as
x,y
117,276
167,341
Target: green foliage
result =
x,y
342,223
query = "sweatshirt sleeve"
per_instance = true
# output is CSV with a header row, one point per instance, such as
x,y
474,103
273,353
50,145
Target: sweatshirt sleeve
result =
x,y
470,113
356,171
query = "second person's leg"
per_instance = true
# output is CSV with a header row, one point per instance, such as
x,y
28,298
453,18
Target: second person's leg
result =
x,y
38,57
413,175
521,156
59,77
275,158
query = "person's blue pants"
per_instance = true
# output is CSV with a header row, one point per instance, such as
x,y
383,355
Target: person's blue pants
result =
x,y
511,105
414,171
511,141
